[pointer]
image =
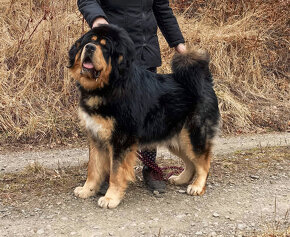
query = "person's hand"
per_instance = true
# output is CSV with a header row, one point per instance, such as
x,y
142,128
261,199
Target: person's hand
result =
x,y
98,21
181,48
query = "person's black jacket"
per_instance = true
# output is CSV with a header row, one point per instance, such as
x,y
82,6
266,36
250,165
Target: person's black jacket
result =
x,y
140,18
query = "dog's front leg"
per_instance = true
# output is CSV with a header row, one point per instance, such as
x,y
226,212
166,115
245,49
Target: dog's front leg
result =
x,y
121,172
98,169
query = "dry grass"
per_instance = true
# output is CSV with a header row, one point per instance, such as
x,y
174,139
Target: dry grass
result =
x,y
247,41
249,46
38,99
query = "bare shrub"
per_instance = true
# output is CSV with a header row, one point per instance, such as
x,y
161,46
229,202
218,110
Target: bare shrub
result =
x,y
38,99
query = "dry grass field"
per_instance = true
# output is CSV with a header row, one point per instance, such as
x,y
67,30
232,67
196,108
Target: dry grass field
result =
x,y
248,42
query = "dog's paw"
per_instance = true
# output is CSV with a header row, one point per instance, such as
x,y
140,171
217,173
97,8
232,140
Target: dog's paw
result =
x,y
106,202
180,179
195,190
177,180
84,192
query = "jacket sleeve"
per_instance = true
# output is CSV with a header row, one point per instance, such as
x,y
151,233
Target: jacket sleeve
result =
x,y
91,9
167,22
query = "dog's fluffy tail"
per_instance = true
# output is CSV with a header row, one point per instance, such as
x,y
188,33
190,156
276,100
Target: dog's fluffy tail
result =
x,y
191,70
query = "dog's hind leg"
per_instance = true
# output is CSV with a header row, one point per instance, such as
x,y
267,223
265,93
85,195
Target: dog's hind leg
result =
x,y
188,172
98,168
200,159
202,165
121,172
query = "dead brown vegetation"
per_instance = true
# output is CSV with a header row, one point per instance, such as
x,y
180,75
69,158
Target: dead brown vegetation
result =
x,y
247,40
249,46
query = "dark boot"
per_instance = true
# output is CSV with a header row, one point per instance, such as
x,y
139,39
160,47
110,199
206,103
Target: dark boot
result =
x,y
153,180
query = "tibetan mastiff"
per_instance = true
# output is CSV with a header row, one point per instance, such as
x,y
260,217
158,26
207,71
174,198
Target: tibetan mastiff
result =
x,y
124,107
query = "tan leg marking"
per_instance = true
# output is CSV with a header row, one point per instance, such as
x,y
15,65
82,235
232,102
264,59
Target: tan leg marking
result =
x,y
201,164
98,168
119,180
188,172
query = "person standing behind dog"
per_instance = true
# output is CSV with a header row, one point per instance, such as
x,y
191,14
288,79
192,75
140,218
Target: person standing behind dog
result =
x,y
140,19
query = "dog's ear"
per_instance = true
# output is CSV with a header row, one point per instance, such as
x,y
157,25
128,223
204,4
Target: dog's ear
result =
x,y
124,50
73,52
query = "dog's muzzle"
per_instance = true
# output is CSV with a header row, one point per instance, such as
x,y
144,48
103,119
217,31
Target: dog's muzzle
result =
x,y
88,65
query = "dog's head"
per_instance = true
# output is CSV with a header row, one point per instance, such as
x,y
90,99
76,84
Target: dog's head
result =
x,y
103,51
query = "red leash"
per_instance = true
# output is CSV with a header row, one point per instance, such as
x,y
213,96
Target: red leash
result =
x,y
175,171
159,171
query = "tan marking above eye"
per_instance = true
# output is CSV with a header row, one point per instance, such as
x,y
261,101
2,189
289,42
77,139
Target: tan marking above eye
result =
x,y
103,42
94,38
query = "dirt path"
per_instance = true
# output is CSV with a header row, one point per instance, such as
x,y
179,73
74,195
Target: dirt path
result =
x,y
15,161
248,193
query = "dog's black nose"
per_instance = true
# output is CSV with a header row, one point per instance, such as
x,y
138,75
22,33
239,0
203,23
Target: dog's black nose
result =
x,y
90,47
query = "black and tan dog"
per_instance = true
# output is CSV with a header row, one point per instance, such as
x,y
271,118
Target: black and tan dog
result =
x,y
123,107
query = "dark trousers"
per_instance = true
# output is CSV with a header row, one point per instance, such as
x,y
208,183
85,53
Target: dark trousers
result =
x,y
148,156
